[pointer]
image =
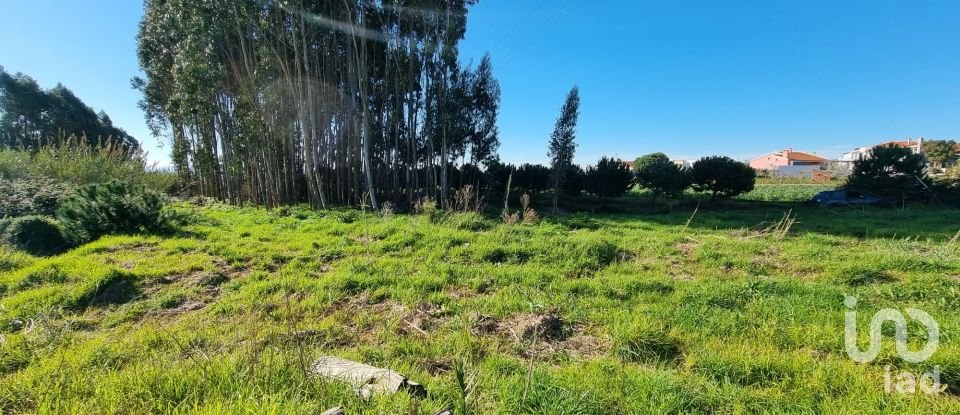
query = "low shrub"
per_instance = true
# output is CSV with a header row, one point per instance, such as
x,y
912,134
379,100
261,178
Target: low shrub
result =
x,y
36,235
474,222
31,196
111,208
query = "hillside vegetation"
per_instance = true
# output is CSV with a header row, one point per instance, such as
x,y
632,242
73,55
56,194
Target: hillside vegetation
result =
x,y
721,313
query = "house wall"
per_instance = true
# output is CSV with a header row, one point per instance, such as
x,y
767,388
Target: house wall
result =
x,y
769,162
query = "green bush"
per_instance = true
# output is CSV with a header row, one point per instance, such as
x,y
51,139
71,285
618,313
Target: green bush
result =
x,y
574,181
31,196
889,171
657,173
36,235
609,178
111,208
722,177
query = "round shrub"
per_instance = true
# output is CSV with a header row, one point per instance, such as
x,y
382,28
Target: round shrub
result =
x,y
890,171
111,208
657,173
36,235
722,177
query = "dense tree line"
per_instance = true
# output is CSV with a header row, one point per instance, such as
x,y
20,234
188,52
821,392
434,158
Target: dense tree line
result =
x,y
31,117
329,102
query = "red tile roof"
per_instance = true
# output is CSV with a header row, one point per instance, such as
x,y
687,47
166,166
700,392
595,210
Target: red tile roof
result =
x,y
801,156
904,144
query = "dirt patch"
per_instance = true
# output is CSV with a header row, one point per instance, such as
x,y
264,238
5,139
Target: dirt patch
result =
x,y
543,326
437,367
223,272
768,259
583,345
543,334
187,306
230,271
366,239
139,248
687,249
416,321
483,324
458,293
625,256
676,271
208,283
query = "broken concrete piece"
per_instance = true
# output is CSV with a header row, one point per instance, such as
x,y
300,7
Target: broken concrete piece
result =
x,y
367,380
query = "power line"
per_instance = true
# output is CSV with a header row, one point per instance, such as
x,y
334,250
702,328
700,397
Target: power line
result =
x,y
538,32
518,26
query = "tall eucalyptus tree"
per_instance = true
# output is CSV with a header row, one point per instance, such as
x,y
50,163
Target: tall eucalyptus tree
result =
x,y
330,102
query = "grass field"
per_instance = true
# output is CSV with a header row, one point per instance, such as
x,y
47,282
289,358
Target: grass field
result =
x,y
786,192
762,192
588,314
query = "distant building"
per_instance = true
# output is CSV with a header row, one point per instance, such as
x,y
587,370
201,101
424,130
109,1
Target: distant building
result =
x,y
789,160
683,164
679,163
863,153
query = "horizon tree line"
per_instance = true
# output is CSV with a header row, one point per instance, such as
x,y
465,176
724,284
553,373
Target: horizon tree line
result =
x,y
32,118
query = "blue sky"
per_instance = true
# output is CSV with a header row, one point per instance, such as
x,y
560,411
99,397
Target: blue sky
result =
x,y
689,78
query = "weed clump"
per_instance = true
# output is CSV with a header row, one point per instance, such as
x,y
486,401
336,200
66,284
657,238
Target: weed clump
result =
x,y
346,216
526,215
644,342
580,221
858,276
589,254
469,221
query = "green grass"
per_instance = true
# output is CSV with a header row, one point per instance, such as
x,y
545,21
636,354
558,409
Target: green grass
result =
x,y
764,191
786,192
657,315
